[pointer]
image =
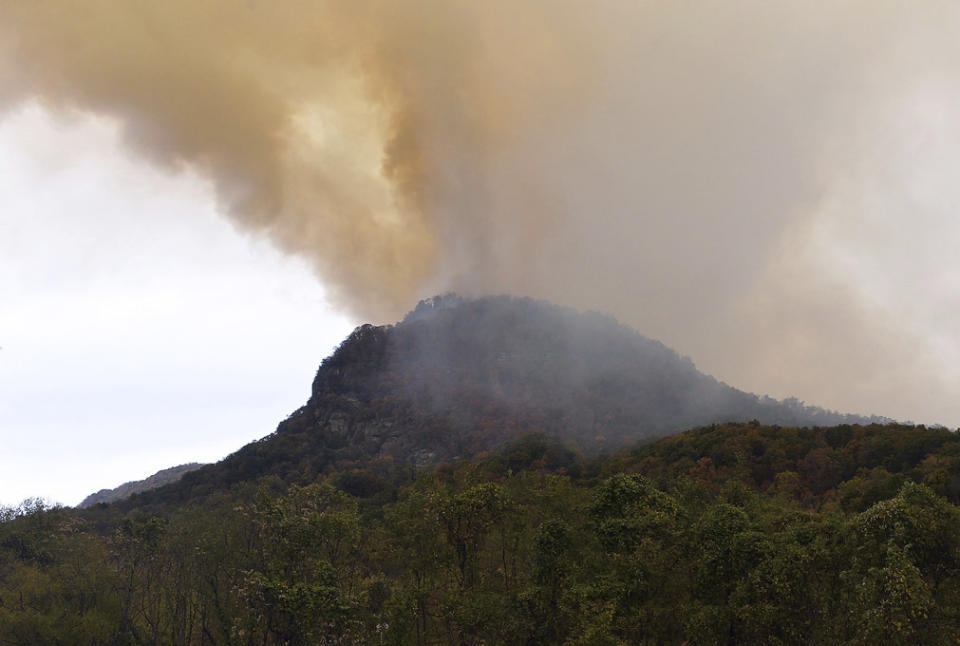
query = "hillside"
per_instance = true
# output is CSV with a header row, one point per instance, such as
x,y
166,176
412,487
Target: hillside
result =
x,y
458,377
726,534
127,489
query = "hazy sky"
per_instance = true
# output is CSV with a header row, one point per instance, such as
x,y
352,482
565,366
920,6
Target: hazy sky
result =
x,y
131,344
769,188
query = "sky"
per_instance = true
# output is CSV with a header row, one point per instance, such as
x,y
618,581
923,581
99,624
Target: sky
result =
x,y
132,344
768,188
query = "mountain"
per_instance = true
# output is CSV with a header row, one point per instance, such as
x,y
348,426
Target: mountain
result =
x,y
459,377
127,489
728,533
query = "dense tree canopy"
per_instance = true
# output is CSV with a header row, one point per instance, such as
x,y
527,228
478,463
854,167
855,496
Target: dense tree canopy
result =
x,y
727,534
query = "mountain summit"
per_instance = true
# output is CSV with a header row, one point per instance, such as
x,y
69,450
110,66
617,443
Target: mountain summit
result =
x,y
458,377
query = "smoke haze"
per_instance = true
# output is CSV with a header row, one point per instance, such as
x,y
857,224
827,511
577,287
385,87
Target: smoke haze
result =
x,y
764,186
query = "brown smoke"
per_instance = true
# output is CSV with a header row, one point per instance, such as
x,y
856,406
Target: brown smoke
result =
x,y
668,162
338,128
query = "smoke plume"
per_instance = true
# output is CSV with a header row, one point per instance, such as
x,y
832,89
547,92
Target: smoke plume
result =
x,y
737,179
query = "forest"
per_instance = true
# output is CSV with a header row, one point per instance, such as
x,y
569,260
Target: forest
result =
x,y
725,534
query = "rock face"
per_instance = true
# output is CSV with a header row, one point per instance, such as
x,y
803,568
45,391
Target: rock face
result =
x,y
458,377
158,479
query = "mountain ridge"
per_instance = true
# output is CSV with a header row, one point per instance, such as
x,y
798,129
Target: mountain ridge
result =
x,y
458,377
127,489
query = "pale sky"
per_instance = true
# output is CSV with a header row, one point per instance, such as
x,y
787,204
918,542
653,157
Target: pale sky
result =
x,y
139,329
